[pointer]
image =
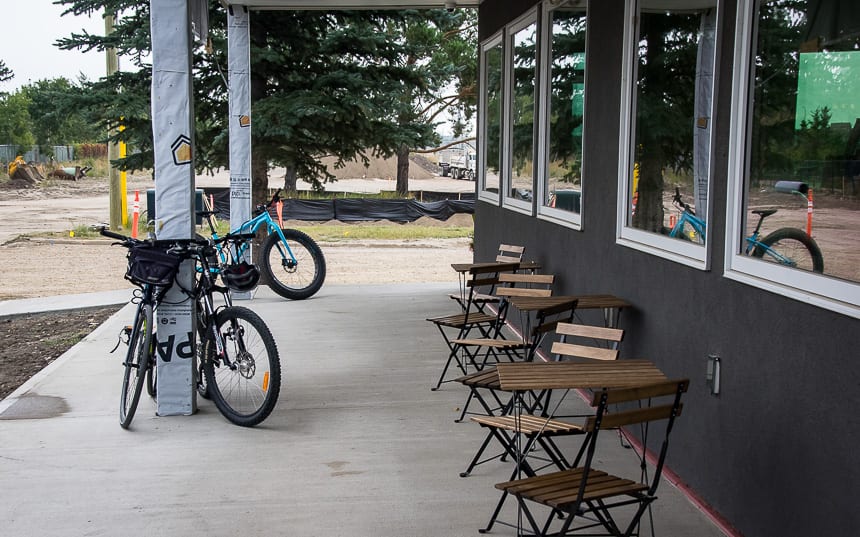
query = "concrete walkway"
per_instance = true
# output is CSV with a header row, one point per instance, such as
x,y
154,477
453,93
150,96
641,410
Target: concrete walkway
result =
x,y
357,446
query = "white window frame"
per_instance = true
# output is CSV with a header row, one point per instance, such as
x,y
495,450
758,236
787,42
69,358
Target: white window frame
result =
x,y
483,194
552,214
826,292
509,202
685,253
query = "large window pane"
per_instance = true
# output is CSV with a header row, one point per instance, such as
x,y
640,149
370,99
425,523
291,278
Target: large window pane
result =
x,y
522,102
672,101
805,128
490,170
562,186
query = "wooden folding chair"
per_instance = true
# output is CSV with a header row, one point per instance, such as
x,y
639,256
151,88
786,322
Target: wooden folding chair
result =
x,y
507,254
462,323
585,497
539,430
510,285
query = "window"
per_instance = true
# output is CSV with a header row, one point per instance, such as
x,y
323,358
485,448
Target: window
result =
x,y
795,152
563,83
666,166
490,120
522,62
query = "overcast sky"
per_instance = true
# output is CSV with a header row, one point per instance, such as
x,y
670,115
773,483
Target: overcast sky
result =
x,y
27,43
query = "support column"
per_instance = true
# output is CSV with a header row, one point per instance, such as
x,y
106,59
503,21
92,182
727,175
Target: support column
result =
x,y
239,73
172,129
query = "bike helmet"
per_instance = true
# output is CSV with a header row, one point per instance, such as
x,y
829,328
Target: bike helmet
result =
x,y
240,276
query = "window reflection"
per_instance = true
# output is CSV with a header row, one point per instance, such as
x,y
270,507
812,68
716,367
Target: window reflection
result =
x,y
673,103
563,181
805,128
492,135
523,112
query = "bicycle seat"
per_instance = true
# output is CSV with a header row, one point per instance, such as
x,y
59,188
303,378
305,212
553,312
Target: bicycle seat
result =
x,y
764,213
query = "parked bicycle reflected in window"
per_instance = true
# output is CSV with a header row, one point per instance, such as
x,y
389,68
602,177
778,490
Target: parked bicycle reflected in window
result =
x,y
805,125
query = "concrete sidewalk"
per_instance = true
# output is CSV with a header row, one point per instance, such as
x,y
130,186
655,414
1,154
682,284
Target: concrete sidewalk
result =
x,y
357,446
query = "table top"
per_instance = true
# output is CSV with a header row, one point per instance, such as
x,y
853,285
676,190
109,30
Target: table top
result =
x,y
520,376
584,302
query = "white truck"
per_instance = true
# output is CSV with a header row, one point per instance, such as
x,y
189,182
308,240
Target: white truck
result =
x,y
458,163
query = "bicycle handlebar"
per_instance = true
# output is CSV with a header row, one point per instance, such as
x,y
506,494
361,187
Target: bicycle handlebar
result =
x,y
676,199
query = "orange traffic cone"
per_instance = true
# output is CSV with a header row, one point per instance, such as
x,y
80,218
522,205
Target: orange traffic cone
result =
x,y
135,214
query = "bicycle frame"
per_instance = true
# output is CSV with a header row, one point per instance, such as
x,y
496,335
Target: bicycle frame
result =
x,y
252,226
700,226
694,221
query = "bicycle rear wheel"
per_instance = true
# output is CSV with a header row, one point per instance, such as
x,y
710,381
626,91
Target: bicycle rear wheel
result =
x,y
244,383
794,245
297,279
137,362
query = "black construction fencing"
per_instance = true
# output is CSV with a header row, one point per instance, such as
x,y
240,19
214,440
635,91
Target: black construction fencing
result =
x,y
359,209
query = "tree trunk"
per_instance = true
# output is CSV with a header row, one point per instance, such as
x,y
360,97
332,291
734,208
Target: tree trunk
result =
x,y
649,207
403,171
290,180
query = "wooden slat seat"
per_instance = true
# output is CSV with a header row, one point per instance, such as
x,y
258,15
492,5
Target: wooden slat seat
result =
x,y
561,489
529,425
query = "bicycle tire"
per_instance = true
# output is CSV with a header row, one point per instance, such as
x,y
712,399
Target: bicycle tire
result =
x,y
152,379
795,245
294,281
247,390
136,363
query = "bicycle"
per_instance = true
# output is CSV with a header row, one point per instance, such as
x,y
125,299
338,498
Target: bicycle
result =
x,y
785,246
238,354
296,272
152,269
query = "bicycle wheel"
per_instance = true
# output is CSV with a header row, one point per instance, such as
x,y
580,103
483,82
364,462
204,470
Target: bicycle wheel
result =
x,y
246,381
136,363
297,279
794,245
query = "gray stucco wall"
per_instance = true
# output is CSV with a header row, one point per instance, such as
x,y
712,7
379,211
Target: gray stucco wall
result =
x,y
772,454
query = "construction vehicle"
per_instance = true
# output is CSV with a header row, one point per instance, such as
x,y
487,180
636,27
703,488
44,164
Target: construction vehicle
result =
x,y
459,163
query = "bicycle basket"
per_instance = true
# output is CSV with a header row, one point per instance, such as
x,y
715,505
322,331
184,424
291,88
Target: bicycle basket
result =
x,y
148,264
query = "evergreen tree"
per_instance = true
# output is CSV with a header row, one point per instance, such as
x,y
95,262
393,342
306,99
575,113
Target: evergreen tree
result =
x,y
5,73
324,87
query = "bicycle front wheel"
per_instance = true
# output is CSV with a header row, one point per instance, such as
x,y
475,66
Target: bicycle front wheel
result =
x,y
294,279
137,362
245,381
791,247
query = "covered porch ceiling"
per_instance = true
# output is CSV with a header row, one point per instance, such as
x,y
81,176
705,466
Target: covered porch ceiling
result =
x,y
353,4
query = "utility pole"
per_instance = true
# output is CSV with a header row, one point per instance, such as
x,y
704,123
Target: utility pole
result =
x,y
117,190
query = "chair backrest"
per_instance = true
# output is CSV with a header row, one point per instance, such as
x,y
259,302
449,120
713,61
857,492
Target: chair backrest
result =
x,y
603,342
510,253
520,284
548,319
647,410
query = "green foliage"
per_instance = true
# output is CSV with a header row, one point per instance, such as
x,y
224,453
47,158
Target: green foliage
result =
x,y
54,118
15,120
5,73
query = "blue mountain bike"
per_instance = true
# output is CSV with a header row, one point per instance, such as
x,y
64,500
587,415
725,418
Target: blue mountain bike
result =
x,y
291,262
787,246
